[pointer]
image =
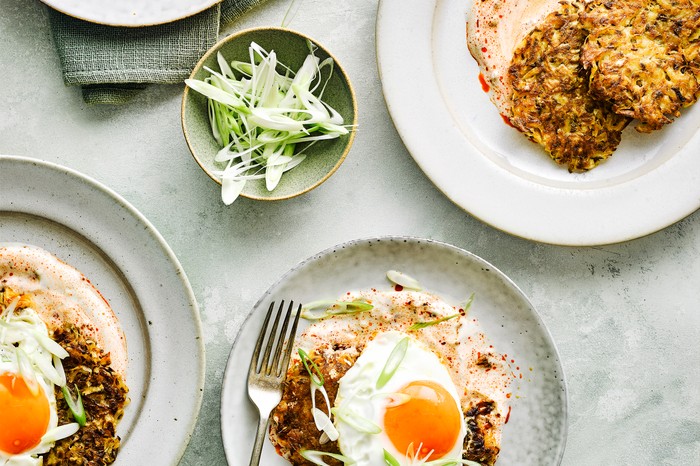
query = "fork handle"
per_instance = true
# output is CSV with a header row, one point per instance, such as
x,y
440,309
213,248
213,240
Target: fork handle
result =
x,y
259,441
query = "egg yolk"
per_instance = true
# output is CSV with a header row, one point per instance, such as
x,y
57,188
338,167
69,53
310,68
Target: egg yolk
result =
x,y
24,416
430,419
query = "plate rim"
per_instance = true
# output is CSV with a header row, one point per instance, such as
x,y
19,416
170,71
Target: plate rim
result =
x,y
169,255
516,205
401,238
57,5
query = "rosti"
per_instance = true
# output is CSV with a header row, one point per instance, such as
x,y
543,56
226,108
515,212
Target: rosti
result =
x,y
643,57
104,395
550,102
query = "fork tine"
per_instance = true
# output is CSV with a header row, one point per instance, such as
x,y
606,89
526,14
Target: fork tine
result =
x,y
274,367
290,344
266,366
255,359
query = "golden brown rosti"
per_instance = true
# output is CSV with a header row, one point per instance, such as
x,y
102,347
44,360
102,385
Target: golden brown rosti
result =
x,y
292,427
550,101
104,397
643,57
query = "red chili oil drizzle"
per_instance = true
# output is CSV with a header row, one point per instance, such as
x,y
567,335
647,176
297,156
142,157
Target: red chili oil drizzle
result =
x,y
507,415
484,85
507,121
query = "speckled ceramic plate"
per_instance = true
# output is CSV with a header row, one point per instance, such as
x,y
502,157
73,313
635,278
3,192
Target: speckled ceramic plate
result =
x,y
536,431
455,134
323,158
130,12
96,231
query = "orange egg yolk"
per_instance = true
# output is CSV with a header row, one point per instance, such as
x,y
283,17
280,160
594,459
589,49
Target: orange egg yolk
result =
x,y
24,416
430,419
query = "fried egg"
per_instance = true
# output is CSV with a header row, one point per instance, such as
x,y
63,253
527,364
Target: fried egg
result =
x,y
420,389
30,367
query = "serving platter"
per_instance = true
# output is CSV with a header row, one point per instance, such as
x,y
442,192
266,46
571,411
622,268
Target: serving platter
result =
x,y
536,430
130,12
455,134
96,231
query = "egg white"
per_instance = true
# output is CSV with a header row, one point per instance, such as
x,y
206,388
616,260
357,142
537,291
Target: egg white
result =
x,y
357,393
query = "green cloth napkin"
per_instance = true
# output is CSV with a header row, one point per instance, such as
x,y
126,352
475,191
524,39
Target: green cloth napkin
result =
x,y
112,64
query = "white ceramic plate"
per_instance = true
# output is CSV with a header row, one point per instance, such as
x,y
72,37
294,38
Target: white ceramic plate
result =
x,y
459,140
130,12
118,250
536,431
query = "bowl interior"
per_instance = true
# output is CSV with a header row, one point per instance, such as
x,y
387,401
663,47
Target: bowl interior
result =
x,y
323,158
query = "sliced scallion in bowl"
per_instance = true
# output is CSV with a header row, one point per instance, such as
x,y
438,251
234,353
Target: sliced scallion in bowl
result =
x,y
266,116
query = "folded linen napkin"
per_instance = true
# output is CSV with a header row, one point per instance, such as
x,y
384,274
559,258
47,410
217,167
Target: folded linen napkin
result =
x,y
112,64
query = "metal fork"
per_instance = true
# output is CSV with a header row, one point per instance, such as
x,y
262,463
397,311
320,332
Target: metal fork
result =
x,y
267,373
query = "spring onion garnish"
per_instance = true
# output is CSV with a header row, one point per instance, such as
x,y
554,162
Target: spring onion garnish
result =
x,y
316,376
315,457
393,362
334,308
322,420
404,280
58,365
357,422
468,304
465,308
75,405
27,371
265,116
60,432
420,325
390,460
325,424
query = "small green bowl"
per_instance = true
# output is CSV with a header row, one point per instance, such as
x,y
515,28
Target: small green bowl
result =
x,y
323,158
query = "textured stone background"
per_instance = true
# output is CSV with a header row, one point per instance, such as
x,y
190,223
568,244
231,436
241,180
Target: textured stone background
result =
x,y
625,317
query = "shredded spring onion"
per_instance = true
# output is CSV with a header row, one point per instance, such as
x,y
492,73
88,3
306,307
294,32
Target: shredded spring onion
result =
x,y
465,308
468,304
420,325
325,424
59,433
403,280
333,308
316,375
393,362
75,405
390,460
264,116
27,371
354,420
315,457
323,421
